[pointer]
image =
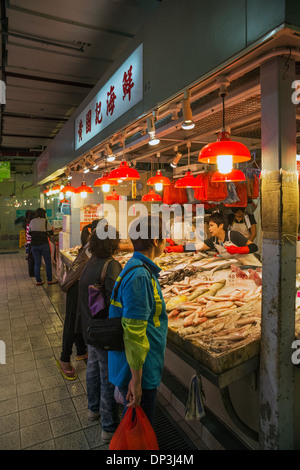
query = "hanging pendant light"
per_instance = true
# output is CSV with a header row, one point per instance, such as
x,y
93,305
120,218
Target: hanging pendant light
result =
x,y
151,196
56,189
105,182
84,190
188,181
224,151
68,190
233,176
124,172
158,181
113,196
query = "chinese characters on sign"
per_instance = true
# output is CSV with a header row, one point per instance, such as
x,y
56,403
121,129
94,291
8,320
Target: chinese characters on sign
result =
x,y
119,94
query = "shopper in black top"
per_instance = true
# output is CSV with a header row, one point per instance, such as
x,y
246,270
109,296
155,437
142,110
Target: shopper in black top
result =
x,y
100,391
39,229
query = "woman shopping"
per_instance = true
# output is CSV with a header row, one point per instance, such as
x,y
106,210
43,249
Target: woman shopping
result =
x,y
100,391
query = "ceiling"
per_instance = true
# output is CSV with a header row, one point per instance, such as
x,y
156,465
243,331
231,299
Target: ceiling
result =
x,y
53,53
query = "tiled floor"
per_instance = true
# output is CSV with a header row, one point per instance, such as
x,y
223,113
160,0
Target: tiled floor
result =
x,y
39,409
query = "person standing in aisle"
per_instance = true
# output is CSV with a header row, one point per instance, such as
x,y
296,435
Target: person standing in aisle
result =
x,y
100,391
137,370
30,260
39,229
71,333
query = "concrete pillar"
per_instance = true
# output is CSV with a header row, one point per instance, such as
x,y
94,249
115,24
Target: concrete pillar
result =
x,y
280,208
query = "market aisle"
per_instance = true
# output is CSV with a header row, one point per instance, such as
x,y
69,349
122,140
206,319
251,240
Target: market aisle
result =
x,y
39,409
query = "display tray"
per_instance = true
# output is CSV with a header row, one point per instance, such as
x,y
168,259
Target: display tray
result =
x,y
216,362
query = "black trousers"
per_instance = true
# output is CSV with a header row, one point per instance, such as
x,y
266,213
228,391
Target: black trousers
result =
x,y
69,335
30,261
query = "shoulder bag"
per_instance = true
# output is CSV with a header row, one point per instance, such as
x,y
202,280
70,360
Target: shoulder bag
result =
x,y
107,333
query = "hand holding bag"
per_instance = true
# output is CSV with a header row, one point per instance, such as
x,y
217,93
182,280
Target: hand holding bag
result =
x,y
134,432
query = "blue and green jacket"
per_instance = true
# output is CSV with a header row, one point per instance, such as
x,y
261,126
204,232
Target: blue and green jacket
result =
x,y
140,303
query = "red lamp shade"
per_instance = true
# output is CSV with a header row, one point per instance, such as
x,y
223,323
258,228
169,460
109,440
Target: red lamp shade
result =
x,y
188,181
158,178
224,146
68,188
234,175
124,172
46,191
105,180
83,188
151,196
56,188
113,196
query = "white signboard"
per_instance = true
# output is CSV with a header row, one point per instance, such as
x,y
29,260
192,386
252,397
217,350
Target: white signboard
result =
x,y
121,92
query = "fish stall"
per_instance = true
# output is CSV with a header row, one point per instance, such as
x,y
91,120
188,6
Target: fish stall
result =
x,y
214,317
213,307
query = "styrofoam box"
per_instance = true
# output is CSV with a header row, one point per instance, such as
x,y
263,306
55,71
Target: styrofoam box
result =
x,y
64,240
66,223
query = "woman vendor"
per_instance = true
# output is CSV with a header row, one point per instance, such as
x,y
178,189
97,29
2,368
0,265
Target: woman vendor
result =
x,y
242,222
226,242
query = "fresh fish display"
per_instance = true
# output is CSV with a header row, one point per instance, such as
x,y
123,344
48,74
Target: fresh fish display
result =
x,y
219,324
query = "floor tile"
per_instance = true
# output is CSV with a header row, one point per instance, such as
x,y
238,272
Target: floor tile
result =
x,y
10,441
31,400
56,394
65,424
9,423
60,408
33,416
35,434
74,441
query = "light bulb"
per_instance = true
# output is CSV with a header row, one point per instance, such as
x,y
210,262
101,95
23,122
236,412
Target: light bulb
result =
x,y
120,181
83,194
154,141
105,188
69,177
187,125
158,186
61,196
95,167
86,170
68,193
111,158
225,163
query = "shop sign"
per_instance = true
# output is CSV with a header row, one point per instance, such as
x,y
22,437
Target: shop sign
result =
x,y
120,93
4,169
